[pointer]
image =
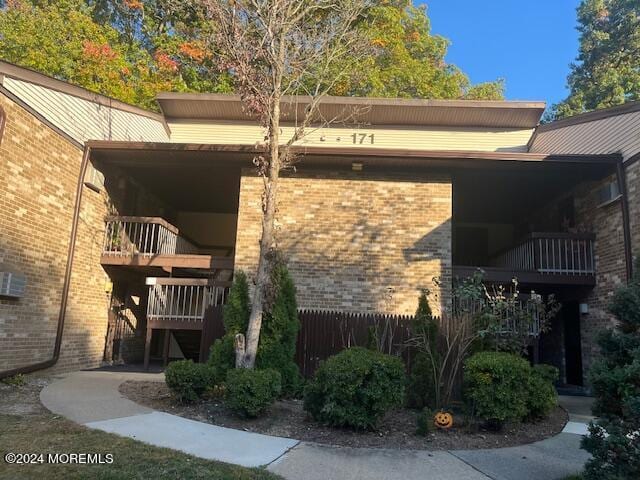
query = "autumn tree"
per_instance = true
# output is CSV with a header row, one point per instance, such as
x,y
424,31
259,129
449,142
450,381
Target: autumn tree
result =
x,y
607,71
62,40
136,48
173,29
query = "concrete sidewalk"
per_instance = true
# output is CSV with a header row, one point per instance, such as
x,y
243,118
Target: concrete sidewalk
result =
x,y
92,398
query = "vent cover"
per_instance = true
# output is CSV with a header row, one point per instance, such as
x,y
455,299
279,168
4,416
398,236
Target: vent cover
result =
x,y
12,285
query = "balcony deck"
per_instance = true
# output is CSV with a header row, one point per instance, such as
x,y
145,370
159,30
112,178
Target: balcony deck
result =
x,y
542,258
152,242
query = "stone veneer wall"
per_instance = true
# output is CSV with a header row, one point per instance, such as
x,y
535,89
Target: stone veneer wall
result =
x,y
356,241
38,175
606,222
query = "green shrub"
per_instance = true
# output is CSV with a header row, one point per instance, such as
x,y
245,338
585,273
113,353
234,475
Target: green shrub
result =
x,y
542,395
424,422
548,372
279,332
420,383
236,319
355,388
249,392
222,358
496,387
615,378
187,380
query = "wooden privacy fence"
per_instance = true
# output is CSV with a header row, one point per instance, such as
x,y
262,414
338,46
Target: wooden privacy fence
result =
x,y
325,333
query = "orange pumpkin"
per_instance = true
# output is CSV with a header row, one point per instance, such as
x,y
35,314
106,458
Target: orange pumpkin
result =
x,y
443,420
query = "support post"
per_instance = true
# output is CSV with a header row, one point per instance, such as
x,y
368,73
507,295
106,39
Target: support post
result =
x,y
147,348
165,350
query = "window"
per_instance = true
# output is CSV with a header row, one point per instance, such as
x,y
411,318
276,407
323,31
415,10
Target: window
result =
x,y
608,193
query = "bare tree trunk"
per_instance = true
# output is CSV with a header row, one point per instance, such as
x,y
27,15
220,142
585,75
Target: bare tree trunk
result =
x,y
263,275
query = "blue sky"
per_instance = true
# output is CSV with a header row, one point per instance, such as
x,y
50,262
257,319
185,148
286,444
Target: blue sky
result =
x,y
529,43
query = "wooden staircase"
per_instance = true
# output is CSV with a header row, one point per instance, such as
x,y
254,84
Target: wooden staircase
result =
x,y
189,343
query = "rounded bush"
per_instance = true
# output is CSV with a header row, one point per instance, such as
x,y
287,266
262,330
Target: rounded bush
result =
x,y
496,386
249,392
542,395
355,388
187,380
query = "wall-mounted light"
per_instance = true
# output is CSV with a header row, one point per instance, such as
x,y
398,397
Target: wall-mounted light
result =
x,y
356,166
584,308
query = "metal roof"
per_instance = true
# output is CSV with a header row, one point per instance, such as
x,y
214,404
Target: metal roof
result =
x,y
78,113
611,130
373,111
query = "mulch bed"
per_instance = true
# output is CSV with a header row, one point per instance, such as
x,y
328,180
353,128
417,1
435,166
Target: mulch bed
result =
x,y
286,418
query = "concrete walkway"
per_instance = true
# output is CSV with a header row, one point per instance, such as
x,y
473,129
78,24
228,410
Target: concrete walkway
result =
x,y
92,398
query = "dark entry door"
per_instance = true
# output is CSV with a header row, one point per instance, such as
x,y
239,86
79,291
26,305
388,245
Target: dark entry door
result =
x,y
572,345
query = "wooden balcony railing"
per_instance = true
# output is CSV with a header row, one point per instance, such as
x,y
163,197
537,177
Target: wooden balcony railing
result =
x,y
551,253
182,302
146,236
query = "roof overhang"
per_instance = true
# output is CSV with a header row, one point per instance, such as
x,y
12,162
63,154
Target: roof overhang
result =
x,y
360,110
381,156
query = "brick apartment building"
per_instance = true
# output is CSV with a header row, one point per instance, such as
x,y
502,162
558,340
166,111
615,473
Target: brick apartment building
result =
x,y
120,227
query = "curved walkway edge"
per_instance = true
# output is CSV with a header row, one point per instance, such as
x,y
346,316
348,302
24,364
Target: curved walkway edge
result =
x,y
92,399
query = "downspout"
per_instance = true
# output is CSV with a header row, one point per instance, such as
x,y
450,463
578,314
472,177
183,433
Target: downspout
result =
x,y
67,278
626,227
3,121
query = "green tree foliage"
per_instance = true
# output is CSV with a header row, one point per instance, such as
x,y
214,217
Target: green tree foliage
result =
x,y
614,439
406,60
607,71
68,40
133,49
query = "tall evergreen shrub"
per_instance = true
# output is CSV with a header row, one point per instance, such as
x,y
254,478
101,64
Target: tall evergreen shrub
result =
x,y
280,326
278,334
236,318
614,439
420,388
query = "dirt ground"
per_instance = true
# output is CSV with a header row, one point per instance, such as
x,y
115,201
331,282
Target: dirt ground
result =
x,y
287,419
23,399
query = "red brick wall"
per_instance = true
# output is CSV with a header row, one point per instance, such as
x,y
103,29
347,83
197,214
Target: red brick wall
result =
x,y
356,241
38,175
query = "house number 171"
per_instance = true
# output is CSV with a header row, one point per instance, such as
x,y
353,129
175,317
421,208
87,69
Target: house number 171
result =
x,y
362,138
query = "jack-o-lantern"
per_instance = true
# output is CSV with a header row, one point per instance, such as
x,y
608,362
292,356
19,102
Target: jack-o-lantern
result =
x,y
443,420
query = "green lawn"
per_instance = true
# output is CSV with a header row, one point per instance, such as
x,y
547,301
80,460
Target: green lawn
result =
x,y
47,433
